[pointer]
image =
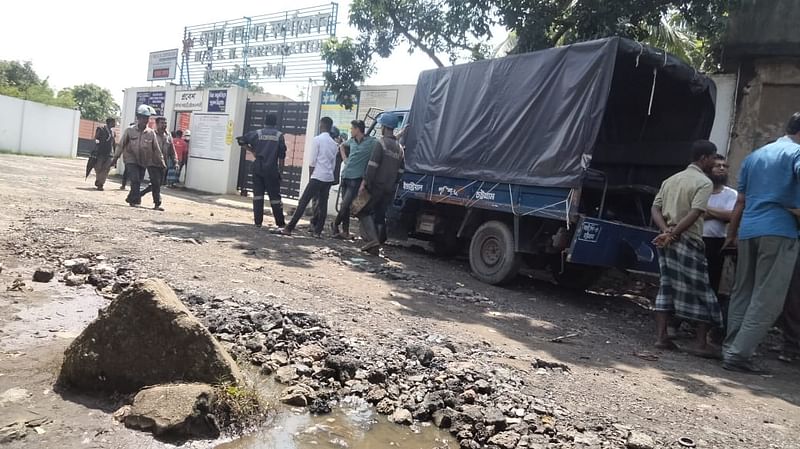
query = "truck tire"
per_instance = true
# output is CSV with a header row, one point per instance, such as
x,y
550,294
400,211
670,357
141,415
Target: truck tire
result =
x,y
491,253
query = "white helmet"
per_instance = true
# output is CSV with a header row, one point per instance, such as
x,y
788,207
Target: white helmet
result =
x,y
145,110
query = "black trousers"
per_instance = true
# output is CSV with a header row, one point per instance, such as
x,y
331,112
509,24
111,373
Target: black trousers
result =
x,y
349,193
271,185
716,261
157,177
314,189
373,215
134,173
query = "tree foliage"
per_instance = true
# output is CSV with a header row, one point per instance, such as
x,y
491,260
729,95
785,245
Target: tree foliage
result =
x,y
453,30
94,102
19,80
542,24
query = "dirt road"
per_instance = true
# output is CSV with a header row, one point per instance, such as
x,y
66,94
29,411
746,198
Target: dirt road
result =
x,y
202,245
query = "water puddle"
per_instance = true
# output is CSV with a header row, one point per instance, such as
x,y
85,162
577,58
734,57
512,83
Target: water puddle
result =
x,y
56,312
353,425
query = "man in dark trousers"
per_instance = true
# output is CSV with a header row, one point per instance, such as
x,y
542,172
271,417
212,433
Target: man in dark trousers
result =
x,y
157,172
269,148
384,170
138,146
323,161
105,144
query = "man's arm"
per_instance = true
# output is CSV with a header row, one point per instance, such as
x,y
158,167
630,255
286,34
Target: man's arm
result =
x,y
281,152
736,220
123,143
156,148
719,214
97,135
313,156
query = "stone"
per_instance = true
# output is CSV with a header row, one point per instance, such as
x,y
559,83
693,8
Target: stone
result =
x,y
298,395
386,407
311,351
401,416
376,377
639,440
482,386
421,353
43,275
78,266
344,366
505,440
266,321
279,357
286,374
376,395
443,419
461,291
74,280
471,414
494,417
469,396
177,410
146,336
469,444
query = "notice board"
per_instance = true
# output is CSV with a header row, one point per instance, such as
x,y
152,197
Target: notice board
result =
x,y
209,133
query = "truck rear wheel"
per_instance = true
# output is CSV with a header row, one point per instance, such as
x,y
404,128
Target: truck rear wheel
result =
x,y
491,253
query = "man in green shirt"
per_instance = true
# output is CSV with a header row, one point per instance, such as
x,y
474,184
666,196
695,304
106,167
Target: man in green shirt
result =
x,y
355,153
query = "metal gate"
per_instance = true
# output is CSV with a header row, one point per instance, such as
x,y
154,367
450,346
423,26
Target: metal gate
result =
x,y
292,119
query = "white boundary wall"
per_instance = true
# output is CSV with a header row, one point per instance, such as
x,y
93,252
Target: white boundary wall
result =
x,y
35,128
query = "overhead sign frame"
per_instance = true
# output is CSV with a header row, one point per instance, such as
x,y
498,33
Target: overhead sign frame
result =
x,y
163,65
283,46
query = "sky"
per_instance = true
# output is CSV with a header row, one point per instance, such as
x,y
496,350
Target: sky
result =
x,y
108,44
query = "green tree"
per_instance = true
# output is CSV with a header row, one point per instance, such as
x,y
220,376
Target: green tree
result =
x,y
691,24
444,30
457,30
18,79
19,75
94,102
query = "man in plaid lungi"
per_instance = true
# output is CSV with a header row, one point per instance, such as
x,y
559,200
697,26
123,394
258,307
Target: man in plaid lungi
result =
x,y
685,290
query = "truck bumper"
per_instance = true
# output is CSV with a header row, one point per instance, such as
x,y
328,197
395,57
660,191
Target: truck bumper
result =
x,y
614,245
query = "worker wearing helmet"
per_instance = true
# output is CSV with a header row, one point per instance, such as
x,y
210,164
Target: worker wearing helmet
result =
x,y
384,170
139,149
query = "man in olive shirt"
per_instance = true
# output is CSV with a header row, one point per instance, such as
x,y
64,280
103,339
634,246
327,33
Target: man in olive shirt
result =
x,y
685,289
384,170
138,147
359,148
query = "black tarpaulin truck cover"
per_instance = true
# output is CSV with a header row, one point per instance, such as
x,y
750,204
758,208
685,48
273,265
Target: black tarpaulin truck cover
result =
x,y
530,119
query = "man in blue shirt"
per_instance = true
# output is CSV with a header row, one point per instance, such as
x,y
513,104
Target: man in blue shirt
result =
x,y
765,223
269,148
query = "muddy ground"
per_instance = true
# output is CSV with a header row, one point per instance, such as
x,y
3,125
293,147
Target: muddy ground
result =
x,y
205,245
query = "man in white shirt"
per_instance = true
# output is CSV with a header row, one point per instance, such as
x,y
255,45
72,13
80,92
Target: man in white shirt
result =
x,y
323,162
718,214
